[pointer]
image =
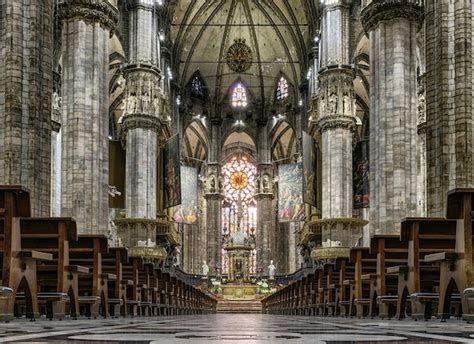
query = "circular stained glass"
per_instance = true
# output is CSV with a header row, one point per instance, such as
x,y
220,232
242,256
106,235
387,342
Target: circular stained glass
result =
x,y
239,180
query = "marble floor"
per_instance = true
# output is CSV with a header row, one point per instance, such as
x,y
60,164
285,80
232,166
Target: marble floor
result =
x,y
235,329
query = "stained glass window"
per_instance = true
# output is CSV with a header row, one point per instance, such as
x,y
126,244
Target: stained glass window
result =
x,y
197,87
282,89
239,189
239,96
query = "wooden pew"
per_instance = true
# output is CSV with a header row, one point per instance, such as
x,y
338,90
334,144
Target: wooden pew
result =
x,y
330,290
418,281
93,286
364,270
112,263
390,252
134,294
18,265
57,279
346,271
456,268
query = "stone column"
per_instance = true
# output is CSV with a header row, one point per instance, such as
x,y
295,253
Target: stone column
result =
x,y
337,123
392,26
86,28
264,197
142,109
56,147
26,85
214,198
421,146
449,100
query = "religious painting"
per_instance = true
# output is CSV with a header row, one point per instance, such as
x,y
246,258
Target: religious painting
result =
x,y
187,212
361,174
309,170
172,174
290,193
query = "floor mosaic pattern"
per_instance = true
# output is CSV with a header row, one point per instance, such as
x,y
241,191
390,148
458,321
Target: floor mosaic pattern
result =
x,y
235,329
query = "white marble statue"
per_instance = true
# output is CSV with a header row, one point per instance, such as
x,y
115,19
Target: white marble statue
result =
x,y
145,102
347,105
205,269
132,103
271,270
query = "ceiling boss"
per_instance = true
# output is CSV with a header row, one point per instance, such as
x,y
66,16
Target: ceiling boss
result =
x,y
239,56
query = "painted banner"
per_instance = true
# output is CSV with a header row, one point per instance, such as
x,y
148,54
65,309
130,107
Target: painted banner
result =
x,y
187,212
171,173
309,170
361,175
290,193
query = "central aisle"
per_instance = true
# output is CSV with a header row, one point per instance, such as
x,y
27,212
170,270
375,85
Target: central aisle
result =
x,y
235,329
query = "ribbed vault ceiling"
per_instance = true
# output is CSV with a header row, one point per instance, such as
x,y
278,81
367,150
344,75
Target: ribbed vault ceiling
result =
x,y
277,31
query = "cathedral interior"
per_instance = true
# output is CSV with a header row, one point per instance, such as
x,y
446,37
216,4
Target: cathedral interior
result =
x,y
241,171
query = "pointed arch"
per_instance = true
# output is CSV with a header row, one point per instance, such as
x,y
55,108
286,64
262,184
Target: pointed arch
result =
x,y
195,142
283,138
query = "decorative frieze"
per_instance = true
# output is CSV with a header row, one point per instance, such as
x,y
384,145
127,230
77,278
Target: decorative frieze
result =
x,y
385,10
91,11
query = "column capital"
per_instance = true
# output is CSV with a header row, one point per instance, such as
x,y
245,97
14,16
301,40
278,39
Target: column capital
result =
x,y
92,11
148,5
214,197
383,10
140,121
336,122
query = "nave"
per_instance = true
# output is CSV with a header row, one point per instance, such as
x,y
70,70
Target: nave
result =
x,y
236,329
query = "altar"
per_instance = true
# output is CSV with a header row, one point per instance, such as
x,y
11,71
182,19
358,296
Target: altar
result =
x,y
238,292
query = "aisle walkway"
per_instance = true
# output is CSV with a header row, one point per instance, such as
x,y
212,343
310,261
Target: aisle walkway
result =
x,y
239,328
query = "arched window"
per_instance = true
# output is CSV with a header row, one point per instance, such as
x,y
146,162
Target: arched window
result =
x,y
239,210
197,87
282,89
239,96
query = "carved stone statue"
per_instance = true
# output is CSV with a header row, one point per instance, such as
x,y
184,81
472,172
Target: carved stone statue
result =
x,y
145,102
257,184
56,101
205,269
322,106
346,100
333,104
271,270
132,103
212,184
156,104
266,184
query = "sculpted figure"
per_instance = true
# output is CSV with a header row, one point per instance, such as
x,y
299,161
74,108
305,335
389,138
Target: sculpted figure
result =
x,y
205,269
145,102
271,270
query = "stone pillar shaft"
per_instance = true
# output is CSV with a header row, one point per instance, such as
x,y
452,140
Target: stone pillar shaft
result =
x,y
26,84
144,43
86,29
393,112
337,111
142,107
449,100
264,199
214,228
